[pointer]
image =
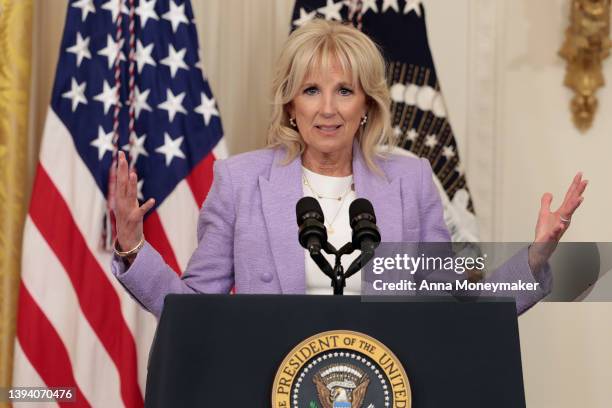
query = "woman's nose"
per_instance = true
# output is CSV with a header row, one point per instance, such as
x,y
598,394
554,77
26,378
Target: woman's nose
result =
x,y
328,105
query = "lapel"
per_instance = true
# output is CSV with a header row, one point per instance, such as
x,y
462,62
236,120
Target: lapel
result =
x,y
384,194
279,196
283,189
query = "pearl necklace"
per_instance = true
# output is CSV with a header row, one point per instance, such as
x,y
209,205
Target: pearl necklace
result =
x,y
341,198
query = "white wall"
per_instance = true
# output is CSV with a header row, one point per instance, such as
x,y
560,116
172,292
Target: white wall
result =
x,y
503,84
500,58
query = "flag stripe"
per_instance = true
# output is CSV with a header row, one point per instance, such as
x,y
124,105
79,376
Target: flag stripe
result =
x,y
156,236
200,179
142,324
51,361
105,334
26,376
72,179
97,297
87,206
55,295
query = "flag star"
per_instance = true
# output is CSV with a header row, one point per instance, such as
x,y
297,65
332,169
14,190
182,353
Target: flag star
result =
x,y
459,169
397,131
207,108
113,7
86,6
76,93
173,104
143,55
135,148
369,4
171,148
80,49
140,101
304,17
431,141
176,15
175,59
108,96
139,190
146,11
104,142
200,65
331,11
412,135
387,4
448,152
111,51
413,5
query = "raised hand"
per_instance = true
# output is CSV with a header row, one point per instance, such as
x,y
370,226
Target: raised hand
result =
x,y
128,213
552,225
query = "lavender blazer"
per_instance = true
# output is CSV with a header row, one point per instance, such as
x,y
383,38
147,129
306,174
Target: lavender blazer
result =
x,y
247,230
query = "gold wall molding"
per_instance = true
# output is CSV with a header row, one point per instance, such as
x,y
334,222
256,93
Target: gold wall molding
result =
x,y
587,44
15,66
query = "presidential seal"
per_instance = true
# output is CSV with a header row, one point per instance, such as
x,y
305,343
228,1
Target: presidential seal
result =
x,y
341,369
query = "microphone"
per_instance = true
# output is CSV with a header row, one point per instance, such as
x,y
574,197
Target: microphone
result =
x,y
366,236
312,233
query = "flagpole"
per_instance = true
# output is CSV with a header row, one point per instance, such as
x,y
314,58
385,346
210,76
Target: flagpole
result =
x,y
15,65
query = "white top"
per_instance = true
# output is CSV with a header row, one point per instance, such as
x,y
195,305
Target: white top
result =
x,y
338,231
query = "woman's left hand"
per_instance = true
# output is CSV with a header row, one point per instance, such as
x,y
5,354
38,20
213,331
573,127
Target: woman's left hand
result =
x,y
552,225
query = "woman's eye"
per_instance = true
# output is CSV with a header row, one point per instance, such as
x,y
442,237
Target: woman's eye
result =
x,y
311,91
345,91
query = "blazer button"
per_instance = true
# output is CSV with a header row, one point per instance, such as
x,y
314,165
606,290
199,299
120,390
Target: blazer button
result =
x,y
266,277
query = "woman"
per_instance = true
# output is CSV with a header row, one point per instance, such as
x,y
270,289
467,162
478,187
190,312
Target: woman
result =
x,y
330,115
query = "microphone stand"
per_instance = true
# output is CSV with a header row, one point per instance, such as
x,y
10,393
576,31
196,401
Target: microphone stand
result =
x,y
337,275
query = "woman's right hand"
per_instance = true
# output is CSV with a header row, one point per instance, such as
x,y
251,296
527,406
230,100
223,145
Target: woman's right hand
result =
x,y
128,213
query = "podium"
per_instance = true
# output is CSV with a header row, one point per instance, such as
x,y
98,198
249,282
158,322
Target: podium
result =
x,y
225,350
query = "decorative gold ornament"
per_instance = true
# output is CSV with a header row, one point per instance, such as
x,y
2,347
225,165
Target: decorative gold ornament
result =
x,y
587,44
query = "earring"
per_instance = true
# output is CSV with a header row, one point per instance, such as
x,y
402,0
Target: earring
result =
x,y
364,120
292,122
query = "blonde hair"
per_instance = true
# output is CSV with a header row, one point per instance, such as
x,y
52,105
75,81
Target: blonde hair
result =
x,y
317,45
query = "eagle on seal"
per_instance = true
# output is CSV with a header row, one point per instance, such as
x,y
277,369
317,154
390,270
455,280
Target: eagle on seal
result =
x,y
341,386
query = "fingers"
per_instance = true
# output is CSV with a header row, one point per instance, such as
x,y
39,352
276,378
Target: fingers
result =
x,y
574,188
122,175
572,207
581,187
146,207
574,197
545,202
127,186
132,186
575,181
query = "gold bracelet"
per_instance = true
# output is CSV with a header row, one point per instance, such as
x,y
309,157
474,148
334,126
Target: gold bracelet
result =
x,y
133,251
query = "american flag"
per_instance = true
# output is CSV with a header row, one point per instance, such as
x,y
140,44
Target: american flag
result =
x,y
418,112
77,327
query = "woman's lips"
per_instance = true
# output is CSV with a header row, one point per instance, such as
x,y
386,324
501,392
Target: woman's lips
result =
x,y
328,129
